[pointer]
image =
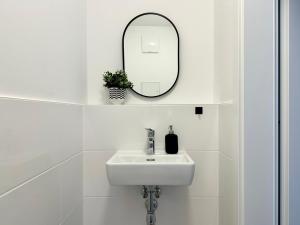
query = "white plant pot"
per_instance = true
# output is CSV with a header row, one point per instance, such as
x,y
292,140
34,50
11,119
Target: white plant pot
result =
x,y
117,96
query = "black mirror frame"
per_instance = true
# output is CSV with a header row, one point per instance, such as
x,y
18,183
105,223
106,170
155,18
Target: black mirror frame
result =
x,y
123,51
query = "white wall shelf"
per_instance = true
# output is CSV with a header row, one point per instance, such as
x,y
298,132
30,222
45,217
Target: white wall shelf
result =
x,y
156,105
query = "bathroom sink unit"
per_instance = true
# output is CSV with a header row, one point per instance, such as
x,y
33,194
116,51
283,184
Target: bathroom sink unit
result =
x,y
137,168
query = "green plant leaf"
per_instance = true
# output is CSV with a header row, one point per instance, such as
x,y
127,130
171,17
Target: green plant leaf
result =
x,y
118,79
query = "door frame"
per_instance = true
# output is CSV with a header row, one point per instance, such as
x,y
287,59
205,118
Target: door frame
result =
x,y
259,160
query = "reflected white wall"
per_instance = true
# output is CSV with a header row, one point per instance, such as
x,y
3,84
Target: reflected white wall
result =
x,y
160,67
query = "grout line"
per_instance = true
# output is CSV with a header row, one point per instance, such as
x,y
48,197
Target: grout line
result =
x,y
40,174
66,217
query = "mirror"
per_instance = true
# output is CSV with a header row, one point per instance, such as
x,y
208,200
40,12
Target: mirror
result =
x,y
151,54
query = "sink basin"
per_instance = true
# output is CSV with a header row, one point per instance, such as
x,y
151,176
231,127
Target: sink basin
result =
x,y
137,168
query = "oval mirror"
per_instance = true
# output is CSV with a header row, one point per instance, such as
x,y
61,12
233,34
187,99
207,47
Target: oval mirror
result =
x,y
151,54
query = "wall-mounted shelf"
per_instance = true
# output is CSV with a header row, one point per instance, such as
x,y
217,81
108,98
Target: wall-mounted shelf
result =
x,y
156,105
164,105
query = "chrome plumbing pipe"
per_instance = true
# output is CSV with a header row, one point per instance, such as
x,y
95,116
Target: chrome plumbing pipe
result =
x,y
151,193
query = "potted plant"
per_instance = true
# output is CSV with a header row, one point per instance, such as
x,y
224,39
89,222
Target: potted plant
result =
x,y
117,84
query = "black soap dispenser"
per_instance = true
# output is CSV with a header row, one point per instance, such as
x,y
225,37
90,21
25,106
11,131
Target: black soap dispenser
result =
x,y
171,142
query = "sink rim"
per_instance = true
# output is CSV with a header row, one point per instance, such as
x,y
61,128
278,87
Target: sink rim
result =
x,y
182,153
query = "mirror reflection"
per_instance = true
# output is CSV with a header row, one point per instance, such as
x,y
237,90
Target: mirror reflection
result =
x,y
151,54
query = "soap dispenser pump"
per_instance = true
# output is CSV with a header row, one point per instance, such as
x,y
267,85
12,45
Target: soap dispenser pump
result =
x,y
171,142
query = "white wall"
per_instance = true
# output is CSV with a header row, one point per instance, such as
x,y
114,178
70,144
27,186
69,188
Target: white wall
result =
x,y
106,21
42,66
111,128
43,49
226,50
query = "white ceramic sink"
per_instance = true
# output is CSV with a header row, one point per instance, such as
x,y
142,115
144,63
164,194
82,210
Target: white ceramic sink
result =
x,y
136,168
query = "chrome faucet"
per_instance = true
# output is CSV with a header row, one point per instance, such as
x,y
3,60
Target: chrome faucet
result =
x,y
150,142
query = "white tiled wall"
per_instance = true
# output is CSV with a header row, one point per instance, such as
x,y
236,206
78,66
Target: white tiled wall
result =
x,y
110,128
40,163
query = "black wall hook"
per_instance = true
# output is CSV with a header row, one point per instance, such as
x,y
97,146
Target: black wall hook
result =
x,y
198,110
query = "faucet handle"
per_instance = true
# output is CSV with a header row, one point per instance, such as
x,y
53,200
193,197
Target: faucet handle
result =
x,y
151,132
